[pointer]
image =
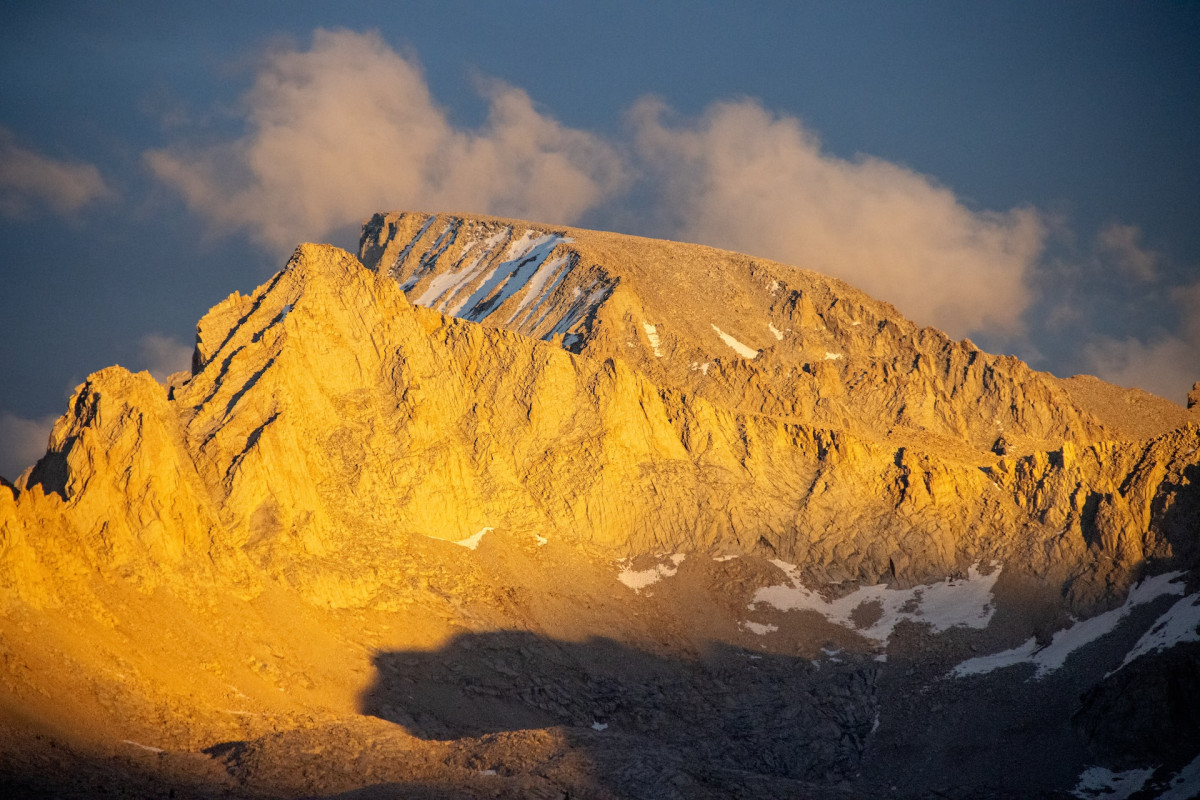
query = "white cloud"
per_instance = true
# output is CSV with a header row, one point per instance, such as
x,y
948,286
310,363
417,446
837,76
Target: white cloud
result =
x,y
1166,365
1121,245
22,442
163,356
29,181
742,178
348,127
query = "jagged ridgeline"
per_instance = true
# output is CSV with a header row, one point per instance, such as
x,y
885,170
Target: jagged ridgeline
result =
x,y
640,395
585,413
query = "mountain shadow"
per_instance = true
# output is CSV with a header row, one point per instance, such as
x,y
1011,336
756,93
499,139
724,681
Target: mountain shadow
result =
x,y
725,718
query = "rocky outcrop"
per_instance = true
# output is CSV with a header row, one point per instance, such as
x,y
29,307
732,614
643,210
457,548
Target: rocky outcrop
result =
x,y
400,492
326,404
752,335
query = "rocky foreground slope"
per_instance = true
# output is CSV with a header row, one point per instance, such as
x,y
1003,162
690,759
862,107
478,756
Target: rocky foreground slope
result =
x,y
514,510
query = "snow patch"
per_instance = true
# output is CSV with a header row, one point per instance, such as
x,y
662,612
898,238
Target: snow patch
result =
x,y
542,541
581,306
141,746
537,284
775,331
724,558
471,542
1098,782
832,356
761,628
521,262
1178,625
748,353
1186,783
1054,655
640,579
701,368
951,603
403,254
599,726
652,335
445,287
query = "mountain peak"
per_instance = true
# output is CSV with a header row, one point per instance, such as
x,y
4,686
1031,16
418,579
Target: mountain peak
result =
x,y
583,484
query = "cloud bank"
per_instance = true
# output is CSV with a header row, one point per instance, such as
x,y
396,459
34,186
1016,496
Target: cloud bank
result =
x,y
745,179
30,181
22,442
1121,245
1166,364
348,127
163,356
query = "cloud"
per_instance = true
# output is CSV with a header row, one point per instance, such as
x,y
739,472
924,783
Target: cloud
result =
x,y
349,127
1166,365
1120,245
163,356
30,181
742,178
22,442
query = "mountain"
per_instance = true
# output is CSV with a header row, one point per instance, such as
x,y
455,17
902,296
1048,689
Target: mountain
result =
x,y
506,509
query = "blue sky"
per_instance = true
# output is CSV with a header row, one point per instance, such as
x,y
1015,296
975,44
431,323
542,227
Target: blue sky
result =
x,y
1021,173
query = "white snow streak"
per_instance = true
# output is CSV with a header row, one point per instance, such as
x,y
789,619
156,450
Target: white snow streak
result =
x,y
832,356
538,282
1068,640
640,579
941,605
778,334
1186,783
1098,782
444,287
761,628
748,353
652,335
1178,625
524,257
471,542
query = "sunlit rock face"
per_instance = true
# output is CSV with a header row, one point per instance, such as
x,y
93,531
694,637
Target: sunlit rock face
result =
x,y
499,507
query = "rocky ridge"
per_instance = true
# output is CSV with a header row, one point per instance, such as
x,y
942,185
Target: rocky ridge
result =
x,y
340,461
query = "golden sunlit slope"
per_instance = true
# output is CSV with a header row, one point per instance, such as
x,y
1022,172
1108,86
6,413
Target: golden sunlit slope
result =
x,y
328,420
745,333
347,481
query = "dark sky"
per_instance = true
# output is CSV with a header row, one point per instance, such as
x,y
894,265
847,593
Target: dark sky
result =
x,y
1025,173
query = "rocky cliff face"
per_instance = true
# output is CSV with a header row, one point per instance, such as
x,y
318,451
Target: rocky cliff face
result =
x,y
463,435
746,333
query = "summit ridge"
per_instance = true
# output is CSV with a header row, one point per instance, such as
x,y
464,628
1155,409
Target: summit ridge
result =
x,y
704,479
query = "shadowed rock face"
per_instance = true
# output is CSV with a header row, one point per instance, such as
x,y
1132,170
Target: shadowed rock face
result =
x,y
730,709
357,506
1146,711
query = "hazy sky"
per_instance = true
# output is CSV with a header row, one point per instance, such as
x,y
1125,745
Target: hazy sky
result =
x,y
1026,174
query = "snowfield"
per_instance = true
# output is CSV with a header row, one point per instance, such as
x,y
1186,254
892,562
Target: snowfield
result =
x,y
879,609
